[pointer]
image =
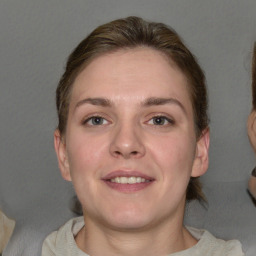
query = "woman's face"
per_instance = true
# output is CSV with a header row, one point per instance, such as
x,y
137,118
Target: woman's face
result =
x,y
130,146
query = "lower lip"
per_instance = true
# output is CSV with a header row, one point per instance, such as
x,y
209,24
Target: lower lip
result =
x,y
128,188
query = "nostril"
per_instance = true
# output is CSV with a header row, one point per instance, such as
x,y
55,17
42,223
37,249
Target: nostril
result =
x,y
132,153
117,153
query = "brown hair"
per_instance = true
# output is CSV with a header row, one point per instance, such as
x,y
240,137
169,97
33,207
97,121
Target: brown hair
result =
x,y
129,33
254,78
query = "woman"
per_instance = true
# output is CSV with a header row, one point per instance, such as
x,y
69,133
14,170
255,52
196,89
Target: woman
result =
x,y
133,138
251,125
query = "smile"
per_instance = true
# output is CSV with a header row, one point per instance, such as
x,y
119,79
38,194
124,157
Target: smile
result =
x,y
129,180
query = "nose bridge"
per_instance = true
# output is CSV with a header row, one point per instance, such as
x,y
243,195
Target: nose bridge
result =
x,y
127,140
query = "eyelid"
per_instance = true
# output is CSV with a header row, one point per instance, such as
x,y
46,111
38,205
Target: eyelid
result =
x,y
170,120
89,117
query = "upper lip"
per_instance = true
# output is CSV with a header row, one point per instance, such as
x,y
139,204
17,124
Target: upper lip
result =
x,y
126,173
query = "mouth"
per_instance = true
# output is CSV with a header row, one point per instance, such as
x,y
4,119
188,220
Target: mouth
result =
x,y
127,181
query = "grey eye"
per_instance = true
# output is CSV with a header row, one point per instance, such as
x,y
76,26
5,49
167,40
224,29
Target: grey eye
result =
x,y
95,121
160,120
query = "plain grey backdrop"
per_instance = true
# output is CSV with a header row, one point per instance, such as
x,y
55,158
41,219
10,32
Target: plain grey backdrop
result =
x,y
36,38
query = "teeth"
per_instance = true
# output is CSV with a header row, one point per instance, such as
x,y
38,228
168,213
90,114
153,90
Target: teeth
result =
x,y
128,180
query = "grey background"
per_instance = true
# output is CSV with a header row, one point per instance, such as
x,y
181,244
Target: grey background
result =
x,y
36,38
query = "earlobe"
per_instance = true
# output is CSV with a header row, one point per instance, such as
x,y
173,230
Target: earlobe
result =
x,y
60,149
251,129
201,161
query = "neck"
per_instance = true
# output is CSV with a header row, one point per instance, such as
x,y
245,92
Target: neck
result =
x,y
168,237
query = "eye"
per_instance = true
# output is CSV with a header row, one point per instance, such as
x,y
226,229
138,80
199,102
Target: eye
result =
x,y
95,121
160,120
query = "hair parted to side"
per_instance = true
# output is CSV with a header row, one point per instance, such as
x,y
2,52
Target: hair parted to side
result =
x,y
129,33
254,78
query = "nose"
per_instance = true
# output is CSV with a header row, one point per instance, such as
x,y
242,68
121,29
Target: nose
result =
x,y
127,142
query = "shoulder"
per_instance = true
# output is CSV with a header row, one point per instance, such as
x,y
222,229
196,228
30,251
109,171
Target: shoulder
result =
x,y
210,245
62,242
231,247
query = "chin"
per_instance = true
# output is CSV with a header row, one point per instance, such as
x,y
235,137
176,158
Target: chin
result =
x,y
129,225
129,220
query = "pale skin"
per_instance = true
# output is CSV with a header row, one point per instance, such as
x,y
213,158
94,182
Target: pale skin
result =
x,y
131,115
251,128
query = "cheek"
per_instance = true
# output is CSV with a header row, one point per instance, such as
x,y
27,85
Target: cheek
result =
x,y
85,153
86,157
174,157
171,151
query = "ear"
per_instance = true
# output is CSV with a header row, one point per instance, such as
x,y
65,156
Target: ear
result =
x,y
201,161
61,152
251,129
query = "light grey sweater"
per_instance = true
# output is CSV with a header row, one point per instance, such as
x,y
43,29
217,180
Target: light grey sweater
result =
x,y
62,243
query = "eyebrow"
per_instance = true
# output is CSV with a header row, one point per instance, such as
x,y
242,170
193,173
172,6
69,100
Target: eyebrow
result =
x,y
152,101
103,102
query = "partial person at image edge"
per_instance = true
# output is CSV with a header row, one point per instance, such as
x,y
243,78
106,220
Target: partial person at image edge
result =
x,y
6,229
251,124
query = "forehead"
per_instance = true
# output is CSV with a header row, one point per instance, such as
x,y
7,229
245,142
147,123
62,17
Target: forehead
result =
x,y
138,72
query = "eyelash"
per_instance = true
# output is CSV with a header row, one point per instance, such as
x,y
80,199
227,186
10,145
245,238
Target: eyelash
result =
x,y
166,119
89,121
103,121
